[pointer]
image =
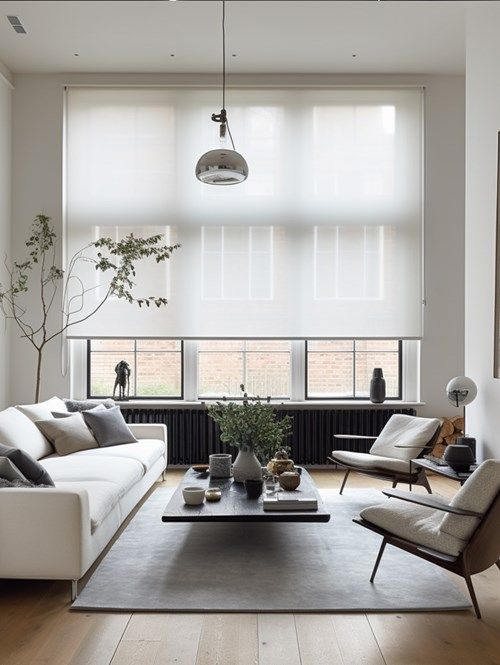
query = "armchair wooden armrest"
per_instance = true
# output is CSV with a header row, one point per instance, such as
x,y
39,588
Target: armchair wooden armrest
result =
x,y
429,502
354,436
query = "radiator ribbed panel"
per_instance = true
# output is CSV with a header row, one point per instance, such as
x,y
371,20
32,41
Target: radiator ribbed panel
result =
x,y
193,436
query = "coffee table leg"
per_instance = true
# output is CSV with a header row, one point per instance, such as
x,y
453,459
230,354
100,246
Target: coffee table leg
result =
x,y
410,476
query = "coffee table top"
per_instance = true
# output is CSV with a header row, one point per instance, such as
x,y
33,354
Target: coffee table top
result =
x,y
234,505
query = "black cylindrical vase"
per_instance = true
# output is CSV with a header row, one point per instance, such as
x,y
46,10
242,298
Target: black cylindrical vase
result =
x,y
377,386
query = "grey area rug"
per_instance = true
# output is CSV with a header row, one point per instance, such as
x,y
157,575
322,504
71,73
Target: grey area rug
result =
x,y
280,567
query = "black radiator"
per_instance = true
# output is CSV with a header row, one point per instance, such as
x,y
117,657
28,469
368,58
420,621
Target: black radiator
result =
x,y
193,436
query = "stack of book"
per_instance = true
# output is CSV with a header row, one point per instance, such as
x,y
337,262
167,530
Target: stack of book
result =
x,y
283,502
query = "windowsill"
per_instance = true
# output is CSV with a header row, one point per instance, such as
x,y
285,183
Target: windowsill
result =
x,y
306,404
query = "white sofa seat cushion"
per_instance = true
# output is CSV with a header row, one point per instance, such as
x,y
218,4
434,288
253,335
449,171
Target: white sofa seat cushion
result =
x,y
418,524
74,468
402,430
145,451
371,462
18,431
103,497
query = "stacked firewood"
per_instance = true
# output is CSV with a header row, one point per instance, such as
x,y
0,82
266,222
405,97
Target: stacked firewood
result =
x,y
451,429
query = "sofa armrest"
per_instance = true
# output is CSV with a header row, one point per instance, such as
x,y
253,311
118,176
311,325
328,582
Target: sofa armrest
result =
x,y
149,431
44,532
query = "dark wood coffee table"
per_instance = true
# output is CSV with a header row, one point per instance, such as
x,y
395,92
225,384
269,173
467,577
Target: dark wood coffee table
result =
x,y
234,505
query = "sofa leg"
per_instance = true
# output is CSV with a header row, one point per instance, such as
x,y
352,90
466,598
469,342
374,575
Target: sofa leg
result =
x,y
164,475
74,590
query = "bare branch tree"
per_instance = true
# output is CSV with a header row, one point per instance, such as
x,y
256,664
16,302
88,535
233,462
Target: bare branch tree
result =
x,y
115,260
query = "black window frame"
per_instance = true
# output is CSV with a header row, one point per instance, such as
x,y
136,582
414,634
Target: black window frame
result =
x,y
350,398
133,396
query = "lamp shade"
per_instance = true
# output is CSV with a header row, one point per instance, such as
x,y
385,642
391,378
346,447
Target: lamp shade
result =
x,y
461,391
221,167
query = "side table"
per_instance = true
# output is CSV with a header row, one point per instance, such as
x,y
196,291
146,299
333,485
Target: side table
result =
x,y
445,471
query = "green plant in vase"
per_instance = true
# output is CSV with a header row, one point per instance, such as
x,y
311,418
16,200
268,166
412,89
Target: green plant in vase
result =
x,y
251,426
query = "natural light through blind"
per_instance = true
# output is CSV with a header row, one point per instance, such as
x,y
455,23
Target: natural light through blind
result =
x,y
323,240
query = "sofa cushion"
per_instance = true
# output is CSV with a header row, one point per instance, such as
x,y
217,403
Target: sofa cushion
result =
x,y
371,462
67,435
108,427
76,405
75,468
417,524
42,410
69,414
103,497
30,468
476,494
18,431
402,430
145,451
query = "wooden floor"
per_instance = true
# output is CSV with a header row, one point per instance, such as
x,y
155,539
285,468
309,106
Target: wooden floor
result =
x,y
36,628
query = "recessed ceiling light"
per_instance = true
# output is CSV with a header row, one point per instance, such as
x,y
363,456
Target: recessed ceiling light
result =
x,y
172,55
76,55
234,55
16,24
354,55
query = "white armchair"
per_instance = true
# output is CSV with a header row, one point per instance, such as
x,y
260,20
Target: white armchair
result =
x,y
403,438
462,536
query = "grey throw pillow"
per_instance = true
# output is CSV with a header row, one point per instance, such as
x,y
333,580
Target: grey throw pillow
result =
x,y
68,414
67,435
109,427
77,405
30,468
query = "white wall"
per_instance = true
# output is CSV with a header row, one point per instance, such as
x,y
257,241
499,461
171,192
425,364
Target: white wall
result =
x,y
5,219
38,187
483,123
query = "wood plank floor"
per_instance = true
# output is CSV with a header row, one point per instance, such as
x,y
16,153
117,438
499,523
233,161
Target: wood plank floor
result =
x,y
36,627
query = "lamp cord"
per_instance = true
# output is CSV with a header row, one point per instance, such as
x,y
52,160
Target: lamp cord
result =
x,y
224,69
223,54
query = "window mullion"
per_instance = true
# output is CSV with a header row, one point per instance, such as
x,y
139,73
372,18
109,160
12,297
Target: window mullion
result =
x,y
190,360
298,371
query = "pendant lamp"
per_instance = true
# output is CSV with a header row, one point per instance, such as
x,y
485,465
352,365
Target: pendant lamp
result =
x,y
222,166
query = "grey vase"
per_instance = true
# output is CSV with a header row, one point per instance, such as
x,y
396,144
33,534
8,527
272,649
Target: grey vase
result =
x,y
377,386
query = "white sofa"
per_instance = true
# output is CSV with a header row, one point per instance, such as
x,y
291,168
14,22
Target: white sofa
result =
x,y
57,533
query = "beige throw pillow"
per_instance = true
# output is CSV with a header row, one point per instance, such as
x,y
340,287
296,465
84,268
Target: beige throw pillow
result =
x,y
68,435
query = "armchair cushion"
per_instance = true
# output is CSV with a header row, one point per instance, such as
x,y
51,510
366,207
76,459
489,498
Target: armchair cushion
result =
x,y
371,462
417,524
477,494
402,430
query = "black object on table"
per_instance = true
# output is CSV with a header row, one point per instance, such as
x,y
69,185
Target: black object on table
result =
x,y
235,506
445,471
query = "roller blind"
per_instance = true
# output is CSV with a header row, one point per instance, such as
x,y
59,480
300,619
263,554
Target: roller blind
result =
x,y
324,239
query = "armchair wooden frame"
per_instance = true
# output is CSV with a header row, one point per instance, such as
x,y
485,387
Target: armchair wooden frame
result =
x,y
481,551
411,477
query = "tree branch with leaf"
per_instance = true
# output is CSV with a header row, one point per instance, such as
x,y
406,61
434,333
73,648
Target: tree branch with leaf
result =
x,y
114,260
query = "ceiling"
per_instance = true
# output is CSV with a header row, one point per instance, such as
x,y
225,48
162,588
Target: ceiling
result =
x,y
266,36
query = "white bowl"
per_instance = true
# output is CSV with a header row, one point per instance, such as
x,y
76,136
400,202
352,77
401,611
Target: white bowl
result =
x,y
194,495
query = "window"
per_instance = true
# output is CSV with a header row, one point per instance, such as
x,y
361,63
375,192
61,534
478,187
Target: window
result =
x,y
264,367
282,369
237,262
156,367
334,255
342,369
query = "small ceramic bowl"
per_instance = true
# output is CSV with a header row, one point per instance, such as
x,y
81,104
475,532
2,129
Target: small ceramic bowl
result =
x,y
213,494
193,496
200,468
